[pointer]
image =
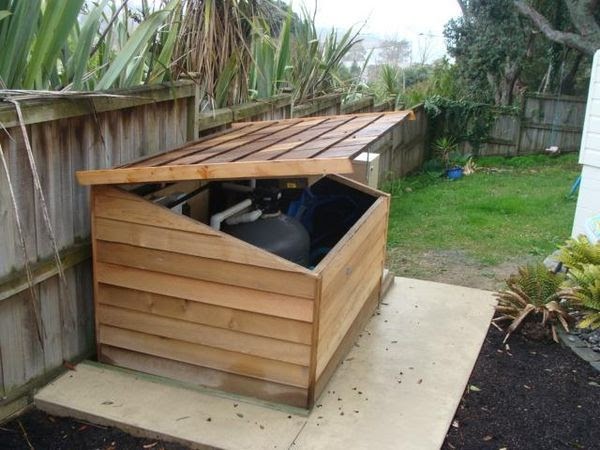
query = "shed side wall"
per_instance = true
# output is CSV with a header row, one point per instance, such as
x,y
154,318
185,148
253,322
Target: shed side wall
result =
x,y
349,280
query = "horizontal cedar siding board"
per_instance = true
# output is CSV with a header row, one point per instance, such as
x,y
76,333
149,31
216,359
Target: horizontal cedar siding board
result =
x,y
136,210
209,336
232,362
217,316
254,277
196,375
141,222
269,303
349,301
214,247
342,284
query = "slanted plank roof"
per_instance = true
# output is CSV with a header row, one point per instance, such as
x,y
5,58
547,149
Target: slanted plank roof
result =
x,y
278,148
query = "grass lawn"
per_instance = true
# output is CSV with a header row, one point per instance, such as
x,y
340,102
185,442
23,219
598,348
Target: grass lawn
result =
x,y
476,230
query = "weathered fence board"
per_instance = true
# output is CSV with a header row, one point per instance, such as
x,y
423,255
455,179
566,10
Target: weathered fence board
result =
x,y
362,105
542,122
278,107
409,142
65,135
327,105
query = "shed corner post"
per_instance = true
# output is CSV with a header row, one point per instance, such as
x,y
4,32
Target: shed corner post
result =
x,y
93,193
312,375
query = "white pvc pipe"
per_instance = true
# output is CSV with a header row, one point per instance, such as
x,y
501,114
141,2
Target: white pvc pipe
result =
x,y
216,219
244,217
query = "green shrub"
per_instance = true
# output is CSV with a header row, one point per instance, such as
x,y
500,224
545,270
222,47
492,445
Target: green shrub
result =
x,y
577,253
532,293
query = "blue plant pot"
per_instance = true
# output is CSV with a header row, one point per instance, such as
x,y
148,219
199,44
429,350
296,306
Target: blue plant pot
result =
x,y
455,173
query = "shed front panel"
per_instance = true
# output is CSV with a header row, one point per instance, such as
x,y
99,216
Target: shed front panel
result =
x,y
172,289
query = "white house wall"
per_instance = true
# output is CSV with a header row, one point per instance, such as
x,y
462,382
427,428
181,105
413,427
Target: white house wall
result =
x,y
588,202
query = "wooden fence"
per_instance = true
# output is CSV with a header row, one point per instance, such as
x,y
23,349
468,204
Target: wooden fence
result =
x,y
66,135
543,121
410,154
70,134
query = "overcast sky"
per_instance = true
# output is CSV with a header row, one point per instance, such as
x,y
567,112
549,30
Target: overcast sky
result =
x,y
408,19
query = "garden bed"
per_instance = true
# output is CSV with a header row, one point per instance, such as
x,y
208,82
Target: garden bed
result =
x,y
529,395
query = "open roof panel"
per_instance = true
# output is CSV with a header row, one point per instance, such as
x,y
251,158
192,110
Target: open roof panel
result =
x,y
279,148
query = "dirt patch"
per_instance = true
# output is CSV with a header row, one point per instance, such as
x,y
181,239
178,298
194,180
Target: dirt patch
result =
x,y
36,429
530,396
452,267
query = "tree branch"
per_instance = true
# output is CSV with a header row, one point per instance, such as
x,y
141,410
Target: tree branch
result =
x,y
463,7
576,41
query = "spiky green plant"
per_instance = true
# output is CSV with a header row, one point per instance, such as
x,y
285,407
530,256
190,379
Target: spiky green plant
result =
x,y
78,45
584,292
270,58
533,291
576,253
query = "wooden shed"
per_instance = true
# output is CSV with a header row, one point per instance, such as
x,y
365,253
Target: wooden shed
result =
x,y
176,297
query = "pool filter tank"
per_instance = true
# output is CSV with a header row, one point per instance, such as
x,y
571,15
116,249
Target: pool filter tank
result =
x,y
273,231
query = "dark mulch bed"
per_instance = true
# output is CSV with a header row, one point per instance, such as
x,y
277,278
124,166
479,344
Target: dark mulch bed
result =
x,y
533,396
44,432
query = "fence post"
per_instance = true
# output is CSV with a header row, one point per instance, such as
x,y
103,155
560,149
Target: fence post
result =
x,y
520,124
193,110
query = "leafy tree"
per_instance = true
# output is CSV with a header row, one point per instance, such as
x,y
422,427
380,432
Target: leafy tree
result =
x,y
395,52
490,43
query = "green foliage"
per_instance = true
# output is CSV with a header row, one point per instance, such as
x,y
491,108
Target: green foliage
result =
x,y
446,151
490,44
463,120
582,258
579,252
298,60
586,293
68,44
533,291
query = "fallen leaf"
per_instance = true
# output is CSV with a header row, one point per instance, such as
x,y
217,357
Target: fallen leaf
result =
x,y
68,365
474,388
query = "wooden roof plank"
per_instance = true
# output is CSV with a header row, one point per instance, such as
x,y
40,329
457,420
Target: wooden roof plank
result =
x,y
229,146
272,139
279,148
203,144
311,135
361,140
312,149
219,171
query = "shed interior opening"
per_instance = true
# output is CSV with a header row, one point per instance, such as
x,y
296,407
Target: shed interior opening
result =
x,y
299,219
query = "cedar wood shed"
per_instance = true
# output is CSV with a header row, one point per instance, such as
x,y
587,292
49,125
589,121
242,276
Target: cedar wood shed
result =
x,y
178,298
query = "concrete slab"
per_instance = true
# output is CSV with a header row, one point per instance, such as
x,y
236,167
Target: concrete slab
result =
x,y
401,384
397,389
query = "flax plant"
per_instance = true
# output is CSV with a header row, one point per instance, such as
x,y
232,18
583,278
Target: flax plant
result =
x,y
76,45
